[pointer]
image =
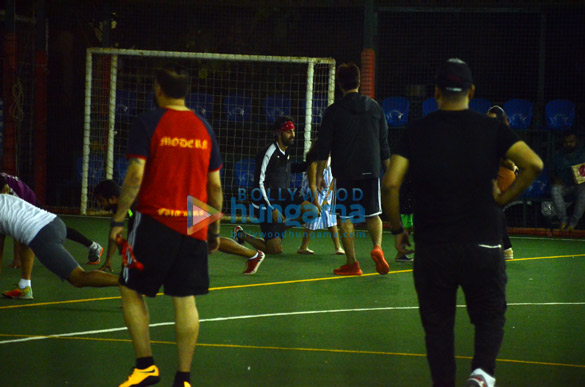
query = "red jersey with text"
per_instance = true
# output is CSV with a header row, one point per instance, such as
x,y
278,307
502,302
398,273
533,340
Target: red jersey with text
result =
x,y
180,149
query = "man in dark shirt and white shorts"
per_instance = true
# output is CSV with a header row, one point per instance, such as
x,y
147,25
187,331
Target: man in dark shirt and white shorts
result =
x,y
354,132
452,157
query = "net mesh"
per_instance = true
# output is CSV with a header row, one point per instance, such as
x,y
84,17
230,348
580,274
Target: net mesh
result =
x,y
239,98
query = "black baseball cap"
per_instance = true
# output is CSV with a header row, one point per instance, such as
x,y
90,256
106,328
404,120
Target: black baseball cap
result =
x,y
454,75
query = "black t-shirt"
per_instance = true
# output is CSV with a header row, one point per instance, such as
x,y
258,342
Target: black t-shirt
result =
x,y
453,157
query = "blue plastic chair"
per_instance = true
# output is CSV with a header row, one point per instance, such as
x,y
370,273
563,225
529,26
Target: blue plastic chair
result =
x,y
519,113
200,103
396,110
120,169
125,105
429,105
540,188
244,171
480,105
149,103
276,106
319,107
238,107
296,180
96,169
559,114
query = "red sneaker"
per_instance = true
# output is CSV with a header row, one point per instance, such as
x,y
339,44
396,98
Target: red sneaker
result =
x,y
348,270
378,257
252,265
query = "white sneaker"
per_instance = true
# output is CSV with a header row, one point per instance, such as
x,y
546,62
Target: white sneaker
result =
x,y
480,378
95,253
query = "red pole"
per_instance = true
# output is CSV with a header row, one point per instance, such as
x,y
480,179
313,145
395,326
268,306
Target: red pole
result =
x,y
9,155
368,73
40,125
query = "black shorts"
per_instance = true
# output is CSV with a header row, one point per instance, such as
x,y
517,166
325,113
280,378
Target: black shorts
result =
x,y
288,203
358,199
173,260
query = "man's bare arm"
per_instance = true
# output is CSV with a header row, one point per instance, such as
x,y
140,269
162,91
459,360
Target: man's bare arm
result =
x,y
130,187
530,166
214,200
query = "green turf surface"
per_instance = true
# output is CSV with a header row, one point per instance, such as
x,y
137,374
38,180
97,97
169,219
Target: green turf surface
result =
x,y
296,324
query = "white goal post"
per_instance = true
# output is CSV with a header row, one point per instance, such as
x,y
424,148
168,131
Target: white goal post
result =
x,y
240,96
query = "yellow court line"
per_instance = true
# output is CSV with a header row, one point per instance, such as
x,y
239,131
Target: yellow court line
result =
x,y
263,284
551,257
210,289
327,350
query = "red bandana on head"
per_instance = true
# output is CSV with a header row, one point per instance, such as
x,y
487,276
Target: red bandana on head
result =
x,y
286,126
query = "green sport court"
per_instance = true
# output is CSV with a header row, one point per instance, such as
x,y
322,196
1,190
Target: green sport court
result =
x,y
296,324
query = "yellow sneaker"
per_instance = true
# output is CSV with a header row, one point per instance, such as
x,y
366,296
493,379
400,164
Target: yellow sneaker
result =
x,y
142,377
19,294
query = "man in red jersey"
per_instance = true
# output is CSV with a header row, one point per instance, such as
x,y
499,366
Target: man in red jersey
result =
x,y
172,154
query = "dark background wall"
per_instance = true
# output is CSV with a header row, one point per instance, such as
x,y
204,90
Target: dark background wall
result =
x,y
530,50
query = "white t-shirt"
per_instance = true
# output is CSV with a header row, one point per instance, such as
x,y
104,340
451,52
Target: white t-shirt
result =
x,y
20,219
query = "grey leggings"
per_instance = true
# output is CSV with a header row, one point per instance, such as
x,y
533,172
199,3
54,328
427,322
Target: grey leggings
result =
x,y
48,247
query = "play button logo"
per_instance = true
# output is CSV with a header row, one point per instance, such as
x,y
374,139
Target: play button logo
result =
x,y
200,215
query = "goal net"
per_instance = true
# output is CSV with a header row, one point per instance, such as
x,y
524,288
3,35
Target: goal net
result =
x,y
239,95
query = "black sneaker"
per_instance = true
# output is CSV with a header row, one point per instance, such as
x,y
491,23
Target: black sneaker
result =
x,y
403,258
239,234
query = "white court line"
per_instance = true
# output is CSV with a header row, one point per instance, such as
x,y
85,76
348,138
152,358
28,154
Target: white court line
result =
x,y
245,317
552,239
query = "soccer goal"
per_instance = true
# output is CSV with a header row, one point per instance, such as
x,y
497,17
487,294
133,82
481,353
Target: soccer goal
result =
x,y
239,95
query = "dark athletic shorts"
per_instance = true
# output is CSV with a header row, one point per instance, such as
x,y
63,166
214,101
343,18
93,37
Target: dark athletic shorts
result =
x,y
358,197
172,260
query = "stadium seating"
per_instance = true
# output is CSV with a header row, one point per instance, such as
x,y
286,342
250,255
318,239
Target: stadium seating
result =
x,y
125,105
480,105
96,169
276,106
429,105
540,188
296,180
200,103
559,114
244,171
238,107
519,113
319,107
120,168
396,110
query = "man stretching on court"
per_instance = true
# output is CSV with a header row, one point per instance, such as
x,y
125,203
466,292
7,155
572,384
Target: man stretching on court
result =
x,y
107,194
272,198
43,234
172,154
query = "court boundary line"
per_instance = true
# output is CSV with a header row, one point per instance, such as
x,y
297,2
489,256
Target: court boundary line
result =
x,y
17,306
263,315
77,335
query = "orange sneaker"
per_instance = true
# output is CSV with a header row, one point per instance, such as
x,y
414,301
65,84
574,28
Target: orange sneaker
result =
x,y
252,265
348,270
378,257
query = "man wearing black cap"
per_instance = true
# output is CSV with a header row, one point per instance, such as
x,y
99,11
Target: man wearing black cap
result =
x,y
452,156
